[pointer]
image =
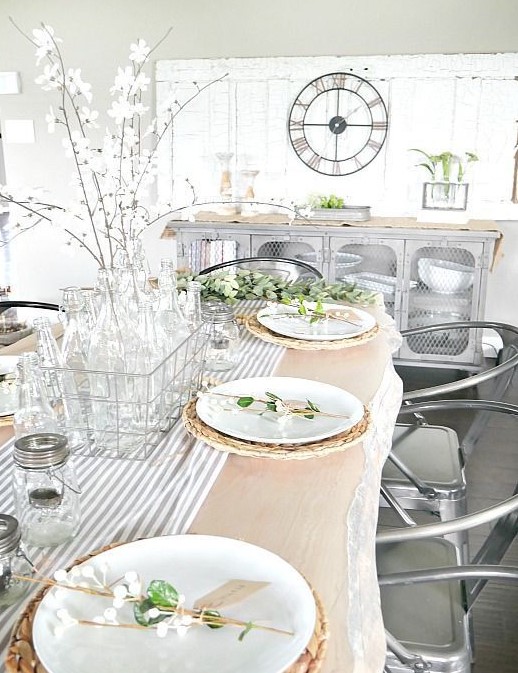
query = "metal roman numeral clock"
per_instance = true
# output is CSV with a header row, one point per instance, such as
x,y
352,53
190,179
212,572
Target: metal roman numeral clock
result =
x,y
338,124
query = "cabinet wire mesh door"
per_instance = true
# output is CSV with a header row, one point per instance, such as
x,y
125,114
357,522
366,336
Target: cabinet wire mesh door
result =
x,y
127,415
370,266
304,248
443,290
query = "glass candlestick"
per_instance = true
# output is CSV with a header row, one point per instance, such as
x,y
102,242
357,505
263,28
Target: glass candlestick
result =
x,y
248,180
225,184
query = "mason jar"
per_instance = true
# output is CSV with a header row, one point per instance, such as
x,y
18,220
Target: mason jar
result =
x,y
223,346
45,487
13,563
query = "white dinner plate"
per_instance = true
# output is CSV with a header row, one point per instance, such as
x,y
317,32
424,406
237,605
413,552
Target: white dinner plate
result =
x,y
299,326
7,389
194,565
223,414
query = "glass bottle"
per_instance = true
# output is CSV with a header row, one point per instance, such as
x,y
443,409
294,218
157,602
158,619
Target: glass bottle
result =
x,y
192,308
13,561
45,490
60,386
33,412
223,345
90,308
148,387
169,316
74,349
74,345
108,363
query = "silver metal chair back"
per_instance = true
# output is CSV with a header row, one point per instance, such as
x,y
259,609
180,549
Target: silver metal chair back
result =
x,y
291,270
427,595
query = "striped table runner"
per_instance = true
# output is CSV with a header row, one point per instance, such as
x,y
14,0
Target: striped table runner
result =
x,y
123,500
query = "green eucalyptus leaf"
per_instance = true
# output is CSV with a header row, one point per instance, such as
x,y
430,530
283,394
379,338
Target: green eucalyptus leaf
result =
x,y
272,396
312,406
215,615
248,627
244,402
162,594
140,611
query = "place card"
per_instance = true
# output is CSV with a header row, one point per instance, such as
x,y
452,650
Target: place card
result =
x,y
231,592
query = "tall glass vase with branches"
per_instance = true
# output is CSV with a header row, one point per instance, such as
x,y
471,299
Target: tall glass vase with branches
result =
x,y
112,171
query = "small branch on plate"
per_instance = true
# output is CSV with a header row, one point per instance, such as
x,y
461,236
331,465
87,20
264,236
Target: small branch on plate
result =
x,y
317,313
275,404
314,317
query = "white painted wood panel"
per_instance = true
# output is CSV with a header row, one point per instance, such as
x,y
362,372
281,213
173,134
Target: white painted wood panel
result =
x,y
437,102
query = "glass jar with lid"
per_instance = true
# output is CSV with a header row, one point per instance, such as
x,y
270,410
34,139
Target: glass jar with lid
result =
x,y
45,488
223,346
14,564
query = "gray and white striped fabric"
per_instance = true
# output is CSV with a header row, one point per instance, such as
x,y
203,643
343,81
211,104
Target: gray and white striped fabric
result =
x,y
123,500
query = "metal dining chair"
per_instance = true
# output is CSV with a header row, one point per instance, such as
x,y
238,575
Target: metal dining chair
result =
x,y
291,270
427,594
425,468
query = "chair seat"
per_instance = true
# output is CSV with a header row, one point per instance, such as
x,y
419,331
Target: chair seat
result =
x,y
430,451
428,618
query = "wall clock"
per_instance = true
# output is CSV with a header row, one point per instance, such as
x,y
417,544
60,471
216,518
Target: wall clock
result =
x,y
338,124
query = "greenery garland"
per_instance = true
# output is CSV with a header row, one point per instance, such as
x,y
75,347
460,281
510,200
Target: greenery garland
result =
x,y
246,284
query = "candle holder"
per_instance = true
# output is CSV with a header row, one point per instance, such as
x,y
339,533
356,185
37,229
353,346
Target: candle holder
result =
x,y
248,179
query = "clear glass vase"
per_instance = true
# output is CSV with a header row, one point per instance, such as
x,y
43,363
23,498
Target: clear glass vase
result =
x,y
445,195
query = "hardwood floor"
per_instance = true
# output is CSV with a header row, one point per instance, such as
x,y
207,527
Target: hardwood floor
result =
x,y
492,474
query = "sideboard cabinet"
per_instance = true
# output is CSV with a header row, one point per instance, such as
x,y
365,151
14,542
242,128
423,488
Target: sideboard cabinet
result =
x,y
426,275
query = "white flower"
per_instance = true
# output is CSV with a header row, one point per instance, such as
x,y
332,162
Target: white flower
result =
x,y
120,591
60,575
88,117
124,80
45,42
76,86
154,613
139,51
162,629
140,83
51,120
110,614
51,78
121,110
77,145
134,588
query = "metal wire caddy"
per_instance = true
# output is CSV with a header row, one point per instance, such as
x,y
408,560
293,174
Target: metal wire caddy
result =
x,y
127,416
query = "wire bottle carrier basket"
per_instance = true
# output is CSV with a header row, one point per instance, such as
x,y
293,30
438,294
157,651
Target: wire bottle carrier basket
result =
x,y
123,415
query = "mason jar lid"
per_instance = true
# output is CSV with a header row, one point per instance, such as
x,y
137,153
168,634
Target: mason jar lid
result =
x,y
40,450
10,533
216,311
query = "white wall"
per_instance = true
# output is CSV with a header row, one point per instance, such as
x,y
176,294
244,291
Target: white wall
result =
x,y
96,36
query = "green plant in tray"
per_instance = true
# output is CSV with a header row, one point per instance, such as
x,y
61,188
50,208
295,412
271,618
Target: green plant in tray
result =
x,y
324,201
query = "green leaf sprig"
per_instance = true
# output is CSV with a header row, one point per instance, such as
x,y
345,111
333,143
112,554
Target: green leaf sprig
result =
x,y
161,607
277,405
246,284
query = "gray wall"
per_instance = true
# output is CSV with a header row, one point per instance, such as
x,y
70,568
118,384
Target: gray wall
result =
x,y
96,36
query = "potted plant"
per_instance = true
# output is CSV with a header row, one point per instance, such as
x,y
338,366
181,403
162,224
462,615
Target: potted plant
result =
x,y
447,189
